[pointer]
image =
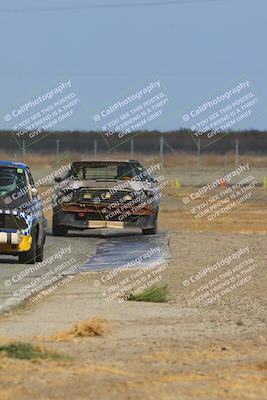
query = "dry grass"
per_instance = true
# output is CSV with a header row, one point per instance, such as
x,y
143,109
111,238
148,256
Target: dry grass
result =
x,y
262,366
93,327
171,159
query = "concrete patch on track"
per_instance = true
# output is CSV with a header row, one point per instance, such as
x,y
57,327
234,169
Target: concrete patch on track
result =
x,y
117,250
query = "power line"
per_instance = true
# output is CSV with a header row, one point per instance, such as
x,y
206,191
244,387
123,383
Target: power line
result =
x,y
103,6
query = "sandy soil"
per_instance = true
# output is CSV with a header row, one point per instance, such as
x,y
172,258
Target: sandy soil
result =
x,y
177,350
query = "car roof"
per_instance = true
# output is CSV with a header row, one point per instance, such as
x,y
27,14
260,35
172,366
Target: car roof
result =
x,y
12,164
105,160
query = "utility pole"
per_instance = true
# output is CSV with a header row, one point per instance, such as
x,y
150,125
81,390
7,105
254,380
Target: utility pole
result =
x,y
161,149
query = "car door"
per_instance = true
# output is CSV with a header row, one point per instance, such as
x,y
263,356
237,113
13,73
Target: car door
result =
x,y
37,210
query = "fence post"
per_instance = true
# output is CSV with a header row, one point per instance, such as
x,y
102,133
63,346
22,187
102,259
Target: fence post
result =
x,y
24,150
198,151
95,147
57,152
132,147
236,152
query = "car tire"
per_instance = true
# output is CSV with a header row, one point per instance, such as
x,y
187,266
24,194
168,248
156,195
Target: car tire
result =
x,y
150,231
40,253
29,257
59,230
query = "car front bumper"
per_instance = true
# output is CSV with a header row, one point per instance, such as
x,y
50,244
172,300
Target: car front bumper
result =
x,y
69,216
14,242
15,232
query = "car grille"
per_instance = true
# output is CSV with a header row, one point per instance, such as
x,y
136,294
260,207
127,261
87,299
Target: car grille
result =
x,y
8,221
98,196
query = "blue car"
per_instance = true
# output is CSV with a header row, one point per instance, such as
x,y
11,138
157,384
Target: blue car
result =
x,y
22,221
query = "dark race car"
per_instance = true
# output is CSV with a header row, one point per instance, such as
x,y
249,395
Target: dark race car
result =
x,y
105,194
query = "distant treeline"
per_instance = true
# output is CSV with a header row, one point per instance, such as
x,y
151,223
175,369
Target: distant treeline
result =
x,y
144,142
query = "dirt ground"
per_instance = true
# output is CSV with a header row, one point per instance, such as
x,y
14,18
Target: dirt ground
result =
x,y
183,349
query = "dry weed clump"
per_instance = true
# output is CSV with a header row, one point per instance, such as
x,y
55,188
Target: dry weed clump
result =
x,y
262,366
93,327
26,351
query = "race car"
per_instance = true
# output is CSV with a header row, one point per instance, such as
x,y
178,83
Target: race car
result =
x,y
105,194
22,221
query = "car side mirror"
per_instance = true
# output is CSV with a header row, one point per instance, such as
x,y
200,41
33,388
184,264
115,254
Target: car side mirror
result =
x,y
34,192
58,179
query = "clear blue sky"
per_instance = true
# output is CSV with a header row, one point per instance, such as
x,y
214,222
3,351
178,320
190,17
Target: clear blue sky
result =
x,y
195,49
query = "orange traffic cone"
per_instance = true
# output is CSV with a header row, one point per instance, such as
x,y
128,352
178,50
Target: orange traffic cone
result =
x,y
222,183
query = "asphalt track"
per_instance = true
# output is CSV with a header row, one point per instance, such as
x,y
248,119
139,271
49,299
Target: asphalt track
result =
x,y
87,251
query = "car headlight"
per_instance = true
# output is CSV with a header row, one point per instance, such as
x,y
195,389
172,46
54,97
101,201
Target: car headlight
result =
x,y
107,196
128,197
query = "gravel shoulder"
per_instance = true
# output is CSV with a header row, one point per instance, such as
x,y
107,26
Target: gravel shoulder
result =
x,y
21,281
177,350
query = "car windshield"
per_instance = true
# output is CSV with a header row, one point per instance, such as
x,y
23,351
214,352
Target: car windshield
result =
x,y
11,180
101,170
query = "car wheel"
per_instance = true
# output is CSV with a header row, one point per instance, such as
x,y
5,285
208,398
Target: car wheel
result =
x,y
150,231
40,253
59,230
29,257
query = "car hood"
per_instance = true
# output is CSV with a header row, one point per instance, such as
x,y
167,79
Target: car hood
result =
x,y
13,203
